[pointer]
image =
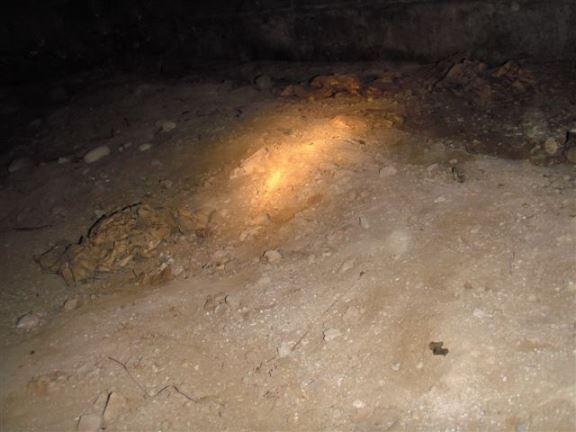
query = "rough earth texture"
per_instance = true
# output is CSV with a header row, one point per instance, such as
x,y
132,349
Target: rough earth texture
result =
x,y
398,259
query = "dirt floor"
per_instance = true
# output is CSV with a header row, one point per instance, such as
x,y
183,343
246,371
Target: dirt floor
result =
x,y
248,248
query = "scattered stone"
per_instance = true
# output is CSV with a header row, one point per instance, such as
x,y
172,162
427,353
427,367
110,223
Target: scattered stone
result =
x,y
285,349
216,304
20,164
479,313
89,423
551,146
166,126
433,169
295,90
347,265
388,171
28,321
166,184
331,85
233,300
363,222
96,154
261,219
331,334
457,175
272,256
263,82
124,146
115,407
71,304
145,147
396,366
63,160
250,233
359,404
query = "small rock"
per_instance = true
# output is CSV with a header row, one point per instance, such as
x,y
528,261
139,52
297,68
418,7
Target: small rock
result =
x,y
71,304
63,160
388,171
233,300
285,349
166,184
363,221
89,423
28,321
99,213
124,146
331,334
551,146
96,154
433,169
115,407
347,265
166,126
359,404
479,313
396,366
20,164
263,82
261,219
272,256
145,147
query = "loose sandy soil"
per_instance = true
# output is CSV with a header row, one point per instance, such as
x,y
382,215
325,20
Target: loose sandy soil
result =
x,y
345,235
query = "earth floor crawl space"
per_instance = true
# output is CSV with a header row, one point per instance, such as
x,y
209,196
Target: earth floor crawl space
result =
x,y
333,259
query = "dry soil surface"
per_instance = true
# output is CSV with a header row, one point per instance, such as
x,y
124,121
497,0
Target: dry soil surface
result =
x,y
353,272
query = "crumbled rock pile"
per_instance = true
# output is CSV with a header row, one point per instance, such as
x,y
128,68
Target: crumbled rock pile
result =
x,y
477,81
117,242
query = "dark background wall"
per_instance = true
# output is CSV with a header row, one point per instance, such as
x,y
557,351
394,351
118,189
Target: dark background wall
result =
x,y
42,38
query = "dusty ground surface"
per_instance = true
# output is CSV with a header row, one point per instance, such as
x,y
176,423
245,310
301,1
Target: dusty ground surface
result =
x,y
331,241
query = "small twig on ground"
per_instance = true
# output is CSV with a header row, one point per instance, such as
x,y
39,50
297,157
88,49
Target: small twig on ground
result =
x,y
31,228
140,386
323,314
512,262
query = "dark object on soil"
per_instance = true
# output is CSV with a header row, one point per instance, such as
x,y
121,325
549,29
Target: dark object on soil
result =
x,y
569,147
437,348
458,175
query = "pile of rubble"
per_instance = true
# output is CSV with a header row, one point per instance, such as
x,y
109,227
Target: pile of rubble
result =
x,y
335,85
477,81
121,242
